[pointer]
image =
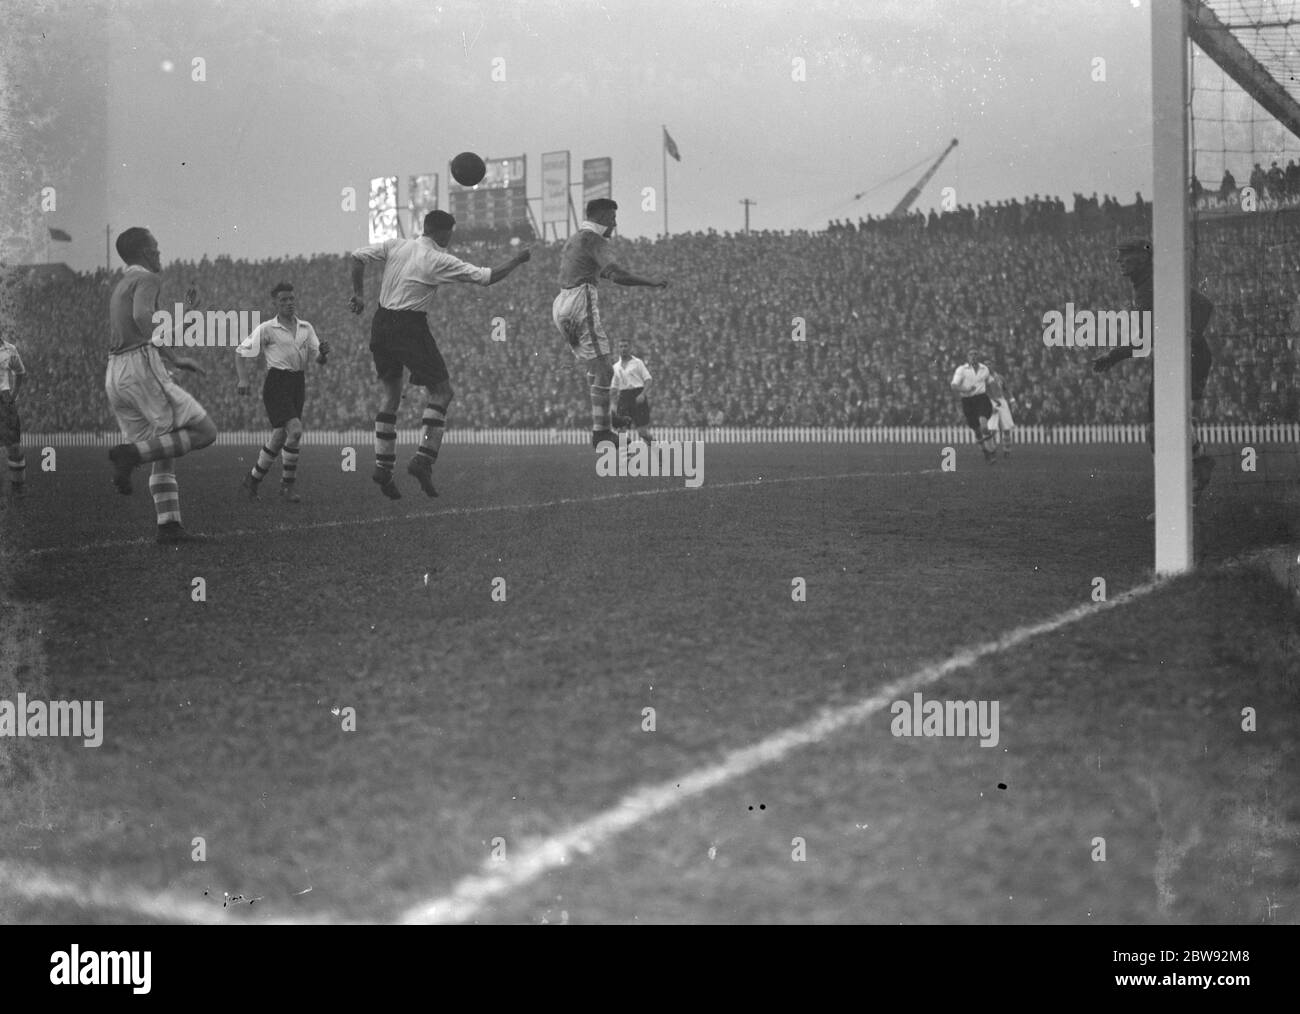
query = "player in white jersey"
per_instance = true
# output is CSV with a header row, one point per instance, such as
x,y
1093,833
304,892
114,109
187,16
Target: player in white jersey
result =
x,y
287,341
628,389
586,259
1000,422
159,419
970,382
400,338
12,375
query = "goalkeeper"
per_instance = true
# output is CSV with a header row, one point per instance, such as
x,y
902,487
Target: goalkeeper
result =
x,y
1134,257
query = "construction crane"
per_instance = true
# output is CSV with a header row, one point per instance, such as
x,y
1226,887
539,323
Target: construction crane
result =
x,y
900,209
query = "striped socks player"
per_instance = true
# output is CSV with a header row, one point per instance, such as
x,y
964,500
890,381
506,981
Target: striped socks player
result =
x,y
170,445
290,472
265,459
600,419
166,497
432,427
386,440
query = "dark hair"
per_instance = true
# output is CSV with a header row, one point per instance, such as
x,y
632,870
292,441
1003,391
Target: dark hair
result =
x,y
440,221
130,244
595,207
281,287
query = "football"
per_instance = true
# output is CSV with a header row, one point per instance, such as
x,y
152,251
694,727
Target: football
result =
x,y
468,169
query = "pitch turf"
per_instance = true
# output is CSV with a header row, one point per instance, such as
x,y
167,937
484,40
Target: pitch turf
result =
x,y
480,720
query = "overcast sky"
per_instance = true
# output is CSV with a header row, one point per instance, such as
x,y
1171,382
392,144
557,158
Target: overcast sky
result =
x,y
302,99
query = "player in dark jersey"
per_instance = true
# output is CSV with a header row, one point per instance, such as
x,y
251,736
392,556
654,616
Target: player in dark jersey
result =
x,y
585,259
1134,257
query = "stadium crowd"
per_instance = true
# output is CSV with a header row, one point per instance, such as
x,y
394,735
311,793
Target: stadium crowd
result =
x,y
887,309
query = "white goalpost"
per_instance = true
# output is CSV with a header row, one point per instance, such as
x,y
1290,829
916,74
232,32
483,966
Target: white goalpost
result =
x,y
1171,349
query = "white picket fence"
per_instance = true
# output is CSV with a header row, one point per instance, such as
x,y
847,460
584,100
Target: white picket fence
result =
x,y
1102,433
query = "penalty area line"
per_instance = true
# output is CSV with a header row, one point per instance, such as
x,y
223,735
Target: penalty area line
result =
x,y
239,533
497,879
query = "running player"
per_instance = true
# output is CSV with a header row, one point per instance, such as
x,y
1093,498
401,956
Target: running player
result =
x,y
970,382
586,259
12,375
400,337
1000,422
287,341
159,419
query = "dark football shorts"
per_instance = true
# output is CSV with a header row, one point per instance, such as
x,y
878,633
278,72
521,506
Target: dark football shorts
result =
x,y
976,407
284,393
628,407
11,427
401,338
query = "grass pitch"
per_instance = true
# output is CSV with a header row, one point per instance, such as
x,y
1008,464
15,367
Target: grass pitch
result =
x,y
485,727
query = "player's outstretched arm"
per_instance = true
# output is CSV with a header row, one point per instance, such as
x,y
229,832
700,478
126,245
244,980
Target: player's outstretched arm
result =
x,y
501,271
619,276
1103,363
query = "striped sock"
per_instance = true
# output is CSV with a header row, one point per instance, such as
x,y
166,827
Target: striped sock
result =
x,y
432,427
386,440
599,407
290,472
265,459
18,469
166,496
175,444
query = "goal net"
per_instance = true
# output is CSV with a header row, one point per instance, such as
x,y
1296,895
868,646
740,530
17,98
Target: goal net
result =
x,y
1243,231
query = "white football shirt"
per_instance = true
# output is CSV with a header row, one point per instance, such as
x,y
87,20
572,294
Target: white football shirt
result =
x,y
413,270
628,375
971,380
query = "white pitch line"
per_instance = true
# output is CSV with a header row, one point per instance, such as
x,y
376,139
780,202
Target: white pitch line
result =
x,y
487,509
494,880
38,885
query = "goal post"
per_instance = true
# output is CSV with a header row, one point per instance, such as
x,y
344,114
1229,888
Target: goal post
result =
x,y
1225,87
1171,349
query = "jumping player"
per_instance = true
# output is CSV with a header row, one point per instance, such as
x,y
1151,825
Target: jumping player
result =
x,y
400,337
159,419
12,375
287,341
585,260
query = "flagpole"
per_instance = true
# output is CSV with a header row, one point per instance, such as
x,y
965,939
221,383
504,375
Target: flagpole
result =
x,y
107,230
663,144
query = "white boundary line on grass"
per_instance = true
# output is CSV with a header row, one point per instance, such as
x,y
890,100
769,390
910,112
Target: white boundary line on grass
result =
x,y
494,880
487,509
34,884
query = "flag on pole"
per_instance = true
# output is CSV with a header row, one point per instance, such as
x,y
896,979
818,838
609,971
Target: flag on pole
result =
x,y
671,146
60,236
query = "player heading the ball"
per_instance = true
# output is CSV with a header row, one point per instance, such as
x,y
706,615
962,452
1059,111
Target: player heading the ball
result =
x,y
400,337
586,258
